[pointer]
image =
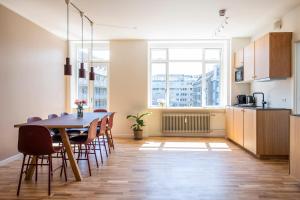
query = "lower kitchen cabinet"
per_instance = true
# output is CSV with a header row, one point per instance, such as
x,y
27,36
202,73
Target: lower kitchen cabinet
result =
x,y
238,125
264,132
229,122
294,147
250,130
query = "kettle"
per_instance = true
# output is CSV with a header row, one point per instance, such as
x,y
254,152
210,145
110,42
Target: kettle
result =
x,y
250,100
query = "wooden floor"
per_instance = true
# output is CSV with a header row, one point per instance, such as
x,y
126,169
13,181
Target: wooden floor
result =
x,y
165,168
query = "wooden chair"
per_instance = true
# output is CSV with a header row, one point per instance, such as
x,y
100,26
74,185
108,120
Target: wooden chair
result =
x,y
108,131
86,140
36,141
100,110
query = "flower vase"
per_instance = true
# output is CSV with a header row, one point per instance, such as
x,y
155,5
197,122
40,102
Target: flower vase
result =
x,y
79,113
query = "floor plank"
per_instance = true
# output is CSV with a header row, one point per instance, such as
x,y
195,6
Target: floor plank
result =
x,y
165,168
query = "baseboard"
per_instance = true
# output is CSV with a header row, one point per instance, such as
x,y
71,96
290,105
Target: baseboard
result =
x,y
10,159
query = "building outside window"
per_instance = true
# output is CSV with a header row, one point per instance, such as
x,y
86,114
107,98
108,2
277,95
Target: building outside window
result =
x,y
186,75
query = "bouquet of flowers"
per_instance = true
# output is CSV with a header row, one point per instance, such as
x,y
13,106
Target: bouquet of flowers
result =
x,y
80,104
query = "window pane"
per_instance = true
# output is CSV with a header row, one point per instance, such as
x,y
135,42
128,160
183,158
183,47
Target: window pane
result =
x,y
100,85
213,86
185,84
85,55
158,84
213,54
158,54
83,84
185,54
101,55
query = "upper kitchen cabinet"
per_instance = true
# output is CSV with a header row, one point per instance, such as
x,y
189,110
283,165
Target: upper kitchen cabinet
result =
x,y
239,58
249,73
273,56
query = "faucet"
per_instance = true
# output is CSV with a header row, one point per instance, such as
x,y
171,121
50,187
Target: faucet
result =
x,y
263,98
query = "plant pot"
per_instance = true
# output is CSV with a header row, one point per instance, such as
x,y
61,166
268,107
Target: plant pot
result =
x,y
138,135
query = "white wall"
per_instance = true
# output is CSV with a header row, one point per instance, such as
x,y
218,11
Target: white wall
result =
x,y
128,88
280,93
31,76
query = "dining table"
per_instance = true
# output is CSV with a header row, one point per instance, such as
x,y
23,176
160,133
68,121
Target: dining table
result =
x,y
62,123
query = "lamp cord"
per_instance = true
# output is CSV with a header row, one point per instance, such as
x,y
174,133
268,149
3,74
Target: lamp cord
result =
x,y
81,13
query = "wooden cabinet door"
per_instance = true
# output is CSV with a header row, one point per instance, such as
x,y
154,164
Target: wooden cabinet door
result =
x,y
280,55
229,123
249,62
239,58
294,147
250,130
262,57
238,125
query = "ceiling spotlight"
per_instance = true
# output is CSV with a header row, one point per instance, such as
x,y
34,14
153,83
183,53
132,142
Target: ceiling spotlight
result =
x,y
222,12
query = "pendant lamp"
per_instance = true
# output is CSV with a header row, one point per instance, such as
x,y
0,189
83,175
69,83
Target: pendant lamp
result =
x,y
81,69
67,66
92,73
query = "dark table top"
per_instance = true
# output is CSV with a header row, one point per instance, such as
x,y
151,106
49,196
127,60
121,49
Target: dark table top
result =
x,y
69,121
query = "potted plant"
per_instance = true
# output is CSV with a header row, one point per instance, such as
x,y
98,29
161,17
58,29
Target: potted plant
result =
x,y
137,126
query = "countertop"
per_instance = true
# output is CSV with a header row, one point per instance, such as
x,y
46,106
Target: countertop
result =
x,y
260,108
296,115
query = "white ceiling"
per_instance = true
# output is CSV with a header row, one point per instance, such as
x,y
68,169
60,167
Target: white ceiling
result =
x,y
154,19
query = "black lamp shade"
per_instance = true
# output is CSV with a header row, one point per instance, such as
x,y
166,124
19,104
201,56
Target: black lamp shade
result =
x,y
81,71
92,74
68,67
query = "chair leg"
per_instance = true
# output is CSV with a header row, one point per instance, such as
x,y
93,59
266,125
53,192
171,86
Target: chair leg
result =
x,y
21,175
88,160
64,163
111,140
49,173
28,162
95,154
100,150
105,146
36,168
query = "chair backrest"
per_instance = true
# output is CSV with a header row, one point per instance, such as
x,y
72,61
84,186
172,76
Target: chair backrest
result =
x,y
52,116
111,120
35,140
92,133
100,110
102,125
64,114
33,119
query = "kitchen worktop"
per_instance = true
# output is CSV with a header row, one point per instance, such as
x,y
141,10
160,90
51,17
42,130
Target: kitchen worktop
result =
x,y
260,108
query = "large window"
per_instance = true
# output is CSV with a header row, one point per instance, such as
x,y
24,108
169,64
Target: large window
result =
x,y
94,92
186,75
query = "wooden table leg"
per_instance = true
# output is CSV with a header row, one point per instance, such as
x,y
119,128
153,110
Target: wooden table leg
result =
x,y
70,154
31,168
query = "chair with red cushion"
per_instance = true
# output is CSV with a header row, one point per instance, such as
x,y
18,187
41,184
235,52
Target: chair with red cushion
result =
x,y
100,110
108,131
86,140
36,141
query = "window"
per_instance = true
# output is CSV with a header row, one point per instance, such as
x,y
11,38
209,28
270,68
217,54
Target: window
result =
x,y
97,94
186,75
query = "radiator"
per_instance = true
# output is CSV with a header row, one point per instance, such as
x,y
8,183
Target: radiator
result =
x,y
185,123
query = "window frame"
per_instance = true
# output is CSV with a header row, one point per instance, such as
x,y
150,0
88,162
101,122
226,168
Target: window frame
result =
x,y
74,47
167,62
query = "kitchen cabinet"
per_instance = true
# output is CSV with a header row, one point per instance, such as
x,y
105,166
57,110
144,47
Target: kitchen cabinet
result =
x,y
294,147
250,130
273,55
229,123
238,125
263,132
249,74
239,58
